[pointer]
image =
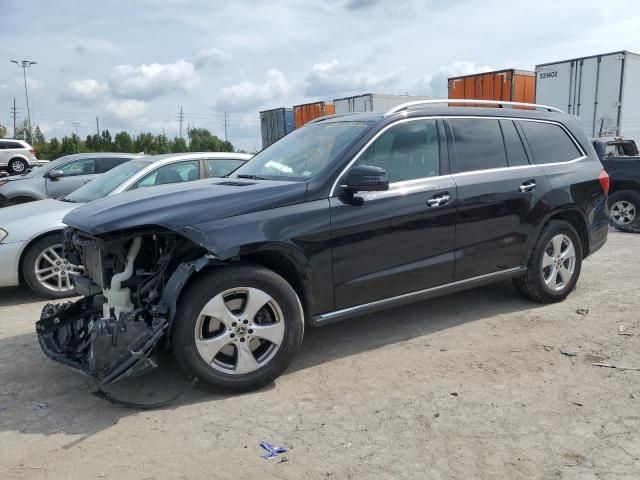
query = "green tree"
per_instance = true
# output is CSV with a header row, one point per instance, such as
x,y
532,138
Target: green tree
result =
x,y
92,143
201,140
145,142
162,144
22,130
70,145
105,141
4,133
38,137
179,145
53,149
123,142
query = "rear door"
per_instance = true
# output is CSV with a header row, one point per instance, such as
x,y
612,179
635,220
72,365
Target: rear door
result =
x,y
498,188
76,173
398,241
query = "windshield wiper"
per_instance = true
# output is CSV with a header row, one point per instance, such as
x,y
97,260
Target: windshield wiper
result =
x,y
251,177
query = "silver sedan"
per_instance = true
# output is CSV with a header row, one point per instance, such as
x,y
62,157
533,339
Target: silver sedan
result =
x,y
31,233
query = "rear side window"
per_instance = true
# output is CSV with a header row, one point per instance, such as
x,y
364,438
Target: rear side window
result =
x,y
13,145
106,164
516,154
549,142
478,144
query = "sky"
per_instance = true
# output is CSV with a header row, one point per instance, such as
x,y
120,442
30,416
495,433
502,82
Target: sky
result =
x,y
135,63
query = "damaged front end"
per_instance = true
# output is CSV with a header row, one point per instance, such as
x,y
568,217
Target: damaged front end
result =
x,y
129,289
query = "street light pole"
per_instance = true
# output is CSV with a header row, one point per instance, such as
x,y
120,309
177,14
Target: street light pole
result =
x,y
24,65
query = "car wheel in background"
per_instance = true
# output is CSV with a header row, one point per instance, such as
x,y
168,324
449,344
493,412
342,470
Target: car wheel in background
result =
x,y
554,265
624,208
17,166
46,272
237,328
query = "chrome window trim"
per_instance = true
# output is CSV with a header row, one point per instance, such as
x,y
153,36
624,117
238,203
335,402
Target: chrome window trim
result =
x,y
323,317
445,117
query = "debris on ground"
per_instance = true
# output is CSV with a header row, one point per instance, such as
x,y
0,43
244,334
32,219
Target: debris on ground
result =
x,y
582,311
569,352
621,331
2,409
39,406
271,450
578,404
548,348
283,459
618,367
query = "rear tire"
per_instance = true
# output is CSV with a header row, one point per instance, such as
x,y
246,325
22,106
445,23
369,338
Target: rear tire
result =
x,y
554,265
45,271
237,328
17,166
624,209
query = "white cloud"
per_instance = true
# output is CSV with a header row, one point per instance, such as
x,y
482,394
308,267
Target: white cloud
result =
x,y
246,95
126,109
334,78
86,90
436,84
152,80
211,56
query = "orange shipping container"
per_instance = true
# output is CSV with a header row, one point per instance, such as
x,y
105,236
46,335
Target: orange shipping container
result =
x,y
310,111
508,85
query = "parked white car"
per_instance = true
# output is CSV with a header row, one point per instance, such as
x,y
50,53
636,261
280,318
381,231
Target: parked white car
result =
x,y
31,233
17,156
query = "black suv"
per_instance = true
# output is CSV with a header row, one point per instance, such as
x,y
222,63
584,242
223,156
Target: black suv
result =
x,y
348,215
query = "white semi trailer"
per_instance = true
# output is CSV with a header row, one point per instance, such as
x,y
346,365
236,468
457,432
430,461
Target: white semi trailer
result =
x,y
603,91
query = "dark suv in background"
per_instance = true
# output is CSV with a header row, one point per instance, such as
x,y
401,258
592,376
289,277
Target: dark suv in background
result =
x,y
348,215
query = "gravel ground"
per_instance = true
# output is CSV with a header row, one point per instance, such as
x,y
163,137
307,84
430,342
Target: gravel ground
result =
x,y
473,385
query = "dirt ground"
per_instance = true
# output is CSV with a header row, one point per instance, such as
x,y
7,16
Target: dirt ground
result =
x,y
472,385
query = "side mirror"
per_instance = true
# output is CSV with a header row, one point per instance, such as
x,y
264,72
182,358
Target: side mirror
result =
x,y
365,178
53,174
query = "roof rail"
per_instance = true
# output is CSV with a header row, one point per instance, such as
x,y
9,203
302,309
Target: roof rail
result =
x,y
499,103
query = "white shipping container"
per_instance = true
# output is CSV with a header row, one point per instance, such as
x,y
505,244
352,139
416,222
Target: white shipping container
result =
x,y
603,91
373,102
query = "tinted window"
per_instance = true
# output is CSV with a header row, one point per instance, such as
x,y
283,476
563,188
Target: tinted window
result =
x,y
221,167
549,143
516,154
86,166
407,151
14,145
174,173
107,164
478,144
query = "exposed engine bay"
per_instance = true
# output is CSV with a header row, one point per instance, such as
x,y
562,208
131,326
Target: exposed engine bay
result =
x,y
129,292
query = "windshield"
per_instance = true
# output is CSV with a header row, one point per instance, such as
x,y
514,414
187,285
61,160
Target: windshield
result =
x,y
106,183
303,153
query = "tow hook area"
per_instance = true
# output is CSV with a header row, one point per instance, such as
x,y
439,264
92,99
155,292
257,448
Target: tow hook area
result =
x,y
107,349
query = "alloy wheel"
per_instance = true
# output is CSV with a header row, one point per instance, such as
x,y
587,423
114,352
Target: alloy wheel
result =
x,y
239,330
18,166
558,262
622,212
54,272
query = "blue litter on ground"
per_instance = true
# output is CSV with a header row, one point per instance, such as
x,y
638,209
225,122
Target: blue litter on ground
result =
x,y
271,450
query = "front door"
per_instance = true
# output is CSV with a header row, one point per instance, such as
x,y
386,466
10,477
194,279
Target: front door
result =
x,y
386,244
498,188
76,174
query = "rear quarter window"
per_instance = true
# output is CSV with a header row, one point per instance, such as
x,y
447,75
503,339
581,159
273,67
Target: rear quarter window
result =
x,y
549,142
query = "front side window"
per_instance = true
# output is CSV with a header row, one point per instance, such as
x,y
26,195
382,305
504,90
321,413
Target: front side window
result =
x,y
303,153
86,166
175,173
549,142
222,166
478,144
406,151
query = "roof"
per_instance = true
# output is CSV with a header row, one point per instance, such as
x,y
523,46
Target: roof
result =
x,y
620,52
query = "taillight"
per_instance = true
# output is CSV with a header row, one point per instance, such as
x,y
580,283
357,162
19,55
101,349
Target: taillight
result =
x,y
32,151
604,181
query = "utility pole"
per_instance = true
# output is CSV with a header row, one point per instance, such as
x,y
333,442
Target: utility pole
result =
x,y
14,113
76,125
24,65
98,128
225,126
180,119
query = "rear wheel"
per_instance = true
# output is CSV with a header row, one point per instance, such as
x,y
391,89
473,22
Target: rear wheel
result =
x,y
46,272
17,166
624,209
238,328
554,266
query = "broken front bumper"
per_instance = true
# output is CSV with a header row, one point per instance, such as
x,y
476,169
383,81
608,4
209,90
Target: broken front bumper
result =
x,y
107,349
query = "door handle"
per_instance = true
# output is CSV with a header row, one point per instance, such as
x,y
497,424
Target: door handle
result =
x,y
526,187
439,200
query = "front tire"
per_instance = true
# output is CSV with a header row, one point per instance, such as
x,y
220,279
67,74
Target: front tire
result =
x,y
554,265
17,166
46,272
237,328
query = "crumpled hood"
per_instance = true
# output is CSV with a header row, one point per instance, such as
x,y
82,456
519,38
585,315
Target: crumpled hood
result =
x,y
181,205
